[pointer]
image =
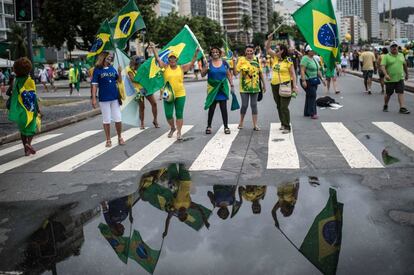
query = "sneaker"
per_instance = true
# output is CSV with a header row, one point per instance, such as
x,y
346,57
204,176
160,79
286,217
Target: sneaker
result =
x,y
385,109
404,111
286,131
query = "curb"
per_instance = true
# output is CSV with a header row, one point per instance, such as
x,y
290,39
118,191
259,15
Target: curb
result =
x,y
408,88
54,125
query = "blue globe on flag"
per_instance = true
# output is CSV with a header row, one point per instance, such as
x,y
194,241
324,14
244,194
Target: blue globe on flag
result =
x,y
125,24
96,45
327,35
330,232
142,252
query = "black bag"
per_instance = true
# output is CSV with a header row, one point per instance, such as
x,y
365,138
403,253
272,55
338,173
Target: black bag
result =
x,y
314,80
325,101
260,96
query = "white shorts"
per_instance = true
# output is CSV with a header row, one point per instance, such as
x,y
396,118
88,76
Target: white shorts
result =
x,y
110,111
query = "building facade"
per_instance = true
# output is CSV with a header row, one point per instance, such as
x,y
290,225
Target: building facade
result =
x,y
371,16
350,7
164,7
6,17
233,11
208,8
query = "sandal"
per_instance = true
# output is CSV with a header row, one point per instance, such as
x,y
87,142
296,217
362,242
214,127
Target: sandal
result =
x,y
240,127
227,131
208,131
156,124
121,141
256,128
179,137
108,143
30,149
142,127
170,134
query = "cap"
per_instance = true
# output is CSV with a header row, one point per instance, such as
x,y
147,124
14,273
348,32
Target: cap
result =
x,y
308,48
393,43
172,54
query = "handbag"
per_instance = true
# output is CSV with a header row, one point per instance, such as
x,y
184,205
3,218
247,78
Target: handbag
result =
x,y
260,95
234,102
284,89
314,80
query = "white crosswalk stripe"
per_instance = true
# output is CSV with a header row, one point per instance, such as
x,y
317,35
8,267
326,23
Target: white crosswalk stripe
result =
x,y
43,152
149,152
216,150
354,152
92,153
20,146
282,153
397,132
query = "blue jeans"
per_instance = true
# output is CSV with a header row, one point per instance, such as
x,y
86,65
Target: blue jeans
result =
x,y
310,102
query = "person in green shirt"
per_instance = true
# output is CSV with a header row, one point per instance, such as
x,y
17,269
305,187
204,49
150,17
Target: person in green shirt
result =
x,y
393,65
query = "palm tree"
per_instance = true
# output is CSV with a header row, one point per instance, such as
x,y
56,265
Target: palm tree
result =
x,y
246,24
16,37
275,20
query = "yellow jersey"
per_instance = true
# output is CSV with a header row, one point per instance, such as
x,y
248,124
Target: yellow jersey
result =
x,y
183,199
281,68
176,79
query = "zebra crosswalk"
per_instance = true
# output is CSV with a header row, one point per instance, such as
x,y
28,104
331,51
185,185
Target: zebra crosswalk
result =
x,y
282,151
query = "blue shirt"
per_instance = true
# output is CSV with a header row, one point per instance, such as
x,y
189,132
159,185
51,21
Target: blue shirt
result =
x,y
106,78
224,194
219,73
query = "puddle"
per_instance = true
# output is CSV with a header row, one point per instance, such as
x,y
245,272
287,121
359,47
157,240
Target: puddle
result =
x,y
172,225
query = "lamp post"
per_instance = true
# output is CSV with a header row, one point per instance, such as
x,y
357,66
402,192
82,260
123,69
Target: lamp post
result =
x,y
8,60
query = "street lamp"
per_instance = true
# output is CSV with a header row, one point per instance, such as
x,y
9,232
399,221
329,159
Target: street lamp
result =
x,y
8,60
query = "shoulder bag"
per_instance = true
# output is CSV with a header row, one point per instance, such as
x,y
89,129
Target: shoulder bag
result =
x,y
284,88
314,80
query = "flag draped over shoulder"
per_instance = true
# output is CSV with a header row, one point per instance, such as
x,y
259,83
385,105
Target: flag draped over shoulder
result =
x,y
78,76
118,243
213,87
184,45
144,255
23,105
126,23
322,244
322,33
103,42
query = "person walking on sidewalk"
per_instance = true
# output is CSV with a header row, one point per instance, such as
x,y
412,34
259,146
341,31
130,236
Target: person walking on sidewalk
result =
x,y
174,81
381,74
72,78
251,76
283,74
218,73
24,107
106,77
43,74
393,65
368,67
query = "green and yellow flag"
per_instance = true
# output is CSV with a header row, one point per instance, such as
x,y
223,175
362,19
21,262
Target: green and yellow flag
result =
x,y
23,105
126,23
322,244
322,33
118,243
213,87
184,45
144,255
103,42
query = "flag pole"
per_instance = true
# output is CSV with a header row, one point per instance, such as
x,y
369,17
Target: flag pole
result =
x,y
162,244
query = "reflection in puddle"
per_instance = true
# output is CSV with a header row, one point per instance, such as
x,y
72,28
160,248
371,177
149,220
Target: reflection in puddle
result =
x,y
387,158
187,139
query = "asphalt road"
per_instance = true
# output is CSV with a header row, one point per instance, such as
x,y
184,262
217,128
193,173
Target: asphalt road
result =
x,y
343,148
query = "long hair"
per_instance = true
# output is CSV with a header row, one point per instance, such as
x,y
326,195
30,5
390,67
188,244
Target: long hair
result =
x,y
285,53
101,60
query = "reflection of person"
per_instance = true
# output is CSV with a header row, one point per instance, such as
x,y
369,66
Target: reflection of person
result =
x,y
115,212
288,195
253,193
222,197
181,201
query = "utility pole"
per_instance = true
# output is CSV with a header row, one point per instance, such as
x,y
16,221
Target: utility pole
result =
x,y
389,21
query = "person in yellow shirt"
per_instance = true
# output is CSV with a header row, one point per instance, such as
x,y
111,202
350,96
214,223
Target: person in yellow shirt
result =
x,y
174,80
288,195
131,70
283,74
253,193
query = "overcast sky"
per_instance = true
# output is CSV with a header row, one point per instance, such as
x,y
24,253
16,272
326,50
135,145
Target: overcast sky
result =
x,y
395,3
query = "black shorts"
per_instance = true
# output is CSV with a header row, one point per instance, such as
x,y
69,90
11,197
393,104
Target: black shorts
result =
x,y
397,87
343,66
367,73
381,74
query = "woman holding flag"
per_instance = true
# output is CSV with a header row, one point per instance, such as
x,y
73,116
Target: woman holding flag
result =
x,y
174,82
219,81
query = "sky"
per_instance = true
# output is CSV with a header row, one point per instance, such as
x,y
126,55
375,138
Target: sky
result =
x,y
395,3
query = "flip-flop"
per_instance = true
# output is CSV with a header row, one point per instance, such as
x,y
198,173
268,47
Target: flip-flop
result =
x,y
108,143
256,128
227,131
170,134
239,127
156,124
121,141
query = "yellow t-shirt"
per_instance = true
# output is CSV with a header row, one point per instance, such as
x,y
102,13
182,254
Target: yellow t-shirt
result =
x,y
176,79
367,59
136,85
283,68
254,192
286,193
250,75
183,198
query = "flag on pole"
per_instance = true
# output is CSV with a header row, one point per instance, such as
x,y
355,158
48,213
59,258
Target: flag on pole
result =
x,y
184,45
321,33
126,23
144,255
103,42
78,76
227,50
118,243
322,244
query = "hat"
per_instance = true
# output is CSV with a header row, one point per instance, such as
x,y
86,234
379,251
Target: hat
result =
x,y
172,54
393,43
308,48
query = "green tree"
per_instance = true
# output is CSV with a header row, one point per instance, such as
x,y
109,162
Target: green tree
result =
x,y
16,37
246,24
259,39
275,20
167,27
207,31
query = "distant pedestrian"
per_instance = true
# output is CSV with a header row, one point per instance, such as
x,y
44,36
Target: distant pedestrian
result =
x,y
394,66
356,61
381,74
330,75
51,76
310,79
24,107
72,79
368,67
43,75
196,69
344,63
105,77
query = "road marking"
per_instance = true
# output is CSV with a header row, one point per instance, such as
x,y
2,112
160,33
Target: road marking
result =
x,y
215,152
20,146
45,151
354,152
92,153
397,132
282,153
137,161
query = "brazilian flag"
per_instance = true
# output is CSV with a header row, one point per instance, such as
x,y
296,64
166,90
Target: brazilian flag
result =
x,y
23,105
322,33
144,255
322,244
118,243
183,45
126,23
213,87
103,42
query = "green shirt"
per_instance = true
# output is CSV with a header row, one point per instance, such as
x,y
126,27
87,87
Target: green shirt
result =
x,y
311,67
394,65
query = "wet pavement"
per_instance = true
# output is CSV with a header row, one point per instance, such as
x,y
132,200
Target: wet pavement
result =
x,y
287,225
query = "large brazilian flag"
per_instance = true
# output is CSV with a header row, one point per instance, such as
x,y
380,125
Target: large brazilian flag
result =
x,y
126,23
118,243
103,42
322,244
184,45
322,33
144,255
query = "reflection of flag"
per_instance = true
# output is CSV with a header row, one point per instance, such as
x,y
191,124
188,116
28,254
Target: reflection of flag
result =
x,y
102,42
387,158
126,23
322,34
144,255
23,105
183,45
195,218
118,243
322,244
